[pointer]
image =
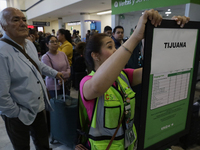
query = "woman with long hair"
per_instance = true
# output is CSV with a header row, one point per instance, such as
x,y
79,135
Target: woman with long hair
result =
x,y
64,37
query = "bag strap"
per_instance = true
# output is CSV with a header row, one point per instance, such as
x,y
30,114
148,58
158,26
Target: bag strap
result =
x,y
110,143
21,50
50,60
25,54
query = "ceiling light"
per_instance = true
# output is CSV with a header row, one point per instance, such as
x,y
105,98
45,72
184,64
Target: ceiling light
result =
x,y
168,12
73,23
167,15
105,12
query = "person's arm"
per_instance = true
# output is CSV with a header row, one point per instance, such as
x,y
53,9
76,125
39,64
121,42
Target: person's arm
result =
x,y
45,70
7,105
137,77
111,68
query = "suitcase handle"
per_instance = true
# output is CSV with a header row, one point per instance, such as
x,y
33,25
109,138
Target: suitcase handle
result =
x,y
63,85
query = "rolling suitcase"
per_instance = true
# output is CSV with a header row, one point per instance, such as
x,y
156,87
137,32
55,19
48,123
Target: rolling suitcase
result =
x,y
63,120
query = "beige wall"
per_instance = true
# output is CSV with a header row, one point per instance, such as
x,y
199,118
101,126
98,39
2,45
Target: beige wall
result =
x,y
53,25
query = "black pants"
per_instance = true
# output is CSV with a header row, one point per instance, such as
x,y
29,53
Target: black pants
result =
x,y
19,133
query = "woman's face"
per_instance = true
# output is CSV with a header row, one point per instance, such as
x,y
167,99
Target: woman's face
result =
x,y
60,36
107,49
53,44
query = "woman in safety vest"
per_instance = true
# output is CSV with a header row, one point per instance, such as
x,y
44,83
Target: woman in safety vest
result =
x,y
106,92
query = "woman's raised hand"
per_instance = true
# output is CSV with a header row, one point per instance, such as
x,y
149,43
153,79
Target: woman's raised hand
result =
x,y
152,15
181,20
156,20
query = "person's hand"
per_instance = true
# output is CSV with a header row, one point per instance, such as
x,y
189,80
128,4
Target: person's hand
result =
x,y
181,20
32,37
59,76
59,82
153,16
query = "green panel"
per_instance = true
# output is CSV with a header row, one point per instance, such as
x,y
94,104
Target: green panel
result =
x,y
112,117
195,1
124,6
170,119
178,73
165,121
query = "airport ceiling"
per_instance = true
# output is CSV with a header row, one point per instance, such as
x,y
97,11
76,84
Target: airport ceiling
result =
x,y
84,6
93,6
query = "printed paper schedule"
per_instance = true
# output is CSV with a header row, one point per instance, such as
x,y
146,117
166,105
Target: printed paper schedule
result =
x,y
169,87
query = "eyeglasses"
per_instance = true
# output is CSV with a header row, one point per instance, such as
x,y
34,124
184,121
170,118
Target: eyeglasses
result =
x,y
53,41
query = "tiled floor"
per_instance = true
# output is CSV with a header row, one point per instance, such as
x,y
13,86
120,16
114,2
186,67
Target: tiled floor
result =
x,y
6,145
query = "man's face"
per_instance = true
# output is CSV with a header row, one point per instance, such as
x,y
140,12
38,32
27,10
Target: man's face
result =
x,y
16,24
109,33
119,34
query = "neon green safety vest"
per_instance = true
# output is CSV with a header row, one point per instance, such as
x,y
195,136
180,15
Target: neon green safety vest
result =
x,y
108,110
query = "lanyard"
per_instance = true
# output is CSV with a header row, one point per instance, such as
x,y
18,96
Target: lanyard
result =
x,y
125,96
129,133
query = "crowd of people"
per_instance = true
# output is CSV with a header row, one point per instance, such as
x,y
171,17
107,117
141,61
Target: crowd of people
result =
x,y
23,95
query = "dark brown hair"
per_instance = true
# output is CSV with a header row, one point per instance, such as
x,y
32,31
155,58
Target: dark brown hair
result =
x,y
94,44
80,48
67,34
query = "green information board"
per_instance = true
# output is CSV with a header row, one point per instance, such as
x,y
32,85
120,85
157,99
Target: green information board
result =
x,y
168,83
124,6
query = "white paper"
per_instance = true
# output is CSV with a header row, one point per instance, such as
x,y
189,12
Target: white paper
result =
x,y
167,59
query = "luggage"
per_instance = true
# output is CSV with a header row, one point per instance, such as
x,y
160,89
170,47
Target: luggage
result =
x,y
63,120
